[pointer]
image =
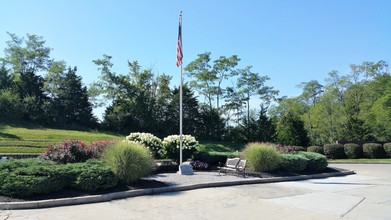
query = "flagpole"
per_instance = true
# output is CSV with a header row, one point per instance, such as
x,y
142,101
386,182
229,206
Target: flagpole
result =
x,y
180,120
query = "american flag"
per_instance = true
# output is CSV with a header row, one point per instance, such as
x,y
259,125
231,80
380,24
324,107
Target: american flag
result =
x,y
179,53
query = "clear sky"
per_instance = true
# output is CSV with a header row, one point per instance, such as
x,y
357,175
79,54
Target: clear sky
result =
x,y
290,41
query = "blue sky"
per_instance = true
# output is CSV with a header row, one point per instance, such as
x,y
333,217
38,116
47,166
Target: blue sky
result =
x,y
290,41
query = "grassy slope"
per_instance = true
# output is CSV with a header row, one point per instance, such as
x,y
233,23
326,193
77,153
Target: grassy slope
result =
x,y
214,146
30,139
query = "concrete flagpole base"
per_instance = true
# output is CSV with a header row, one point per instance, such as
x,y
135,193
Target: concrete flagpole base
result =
x,y
185,169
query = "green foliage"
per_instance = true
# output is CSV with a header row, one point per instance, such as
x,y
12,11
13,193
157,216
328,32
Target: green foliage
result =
x,y
150,141
315,149
10,106
315,161
262,157
373,150
290,130
91,176
387,149
334,151
214,158
27,177
171,146
129,161
293,162
352,150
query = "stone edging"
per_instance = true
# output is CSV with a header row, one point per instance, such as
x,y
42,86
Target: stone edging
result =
x,y
133,193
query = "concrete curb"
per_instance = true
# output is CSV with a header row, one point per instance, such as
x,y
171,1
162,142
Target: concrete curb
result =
x,y
133,193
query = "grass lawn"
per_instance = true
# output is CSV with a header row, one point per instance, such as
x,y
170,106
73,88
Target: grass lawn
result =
x,y
214,146
35,139
362,160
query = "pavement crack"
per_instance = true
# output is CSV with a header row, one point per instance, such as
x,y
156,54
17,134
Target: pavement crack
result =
x,y
353,207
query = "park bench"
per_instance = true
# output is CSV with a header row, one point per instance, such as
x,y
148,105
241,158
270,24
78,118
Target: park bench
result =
x,y
235,165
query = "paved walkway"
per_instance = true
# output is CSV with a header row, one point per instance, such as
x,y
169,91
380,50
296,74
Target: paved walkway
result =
x,y
366,195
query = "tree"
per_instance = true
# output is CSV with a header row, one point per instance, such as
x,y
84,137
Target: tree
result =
x,y
204,78
291,131
250,84
223,68
32,57
312,91
73,109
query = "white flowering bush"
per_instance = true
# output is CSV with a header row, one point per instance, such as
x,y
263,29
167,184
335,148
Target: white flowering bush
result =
x,y
150,141
171,146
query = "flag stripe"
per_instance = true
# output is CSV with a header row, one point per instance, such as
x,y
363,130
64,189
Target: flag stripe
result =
x,y
179,53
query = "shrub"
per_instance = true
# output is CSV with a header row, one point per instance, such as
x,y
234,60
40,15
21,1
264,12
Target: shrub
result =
x,y
69,151
129,161
153,143
91,176
171,147
315,149
373,150
315,161
27,177
199,165
387,148
262,157
99,146
334,151
293,162
215,158
38,178
352,150
299,148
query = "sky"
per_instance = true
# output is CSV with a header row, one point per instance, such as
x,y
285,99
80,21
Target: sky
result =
x,y
289,41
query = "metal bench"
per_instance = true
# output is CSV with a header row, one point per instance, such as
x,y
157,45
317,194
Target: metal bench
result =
x,y
235,165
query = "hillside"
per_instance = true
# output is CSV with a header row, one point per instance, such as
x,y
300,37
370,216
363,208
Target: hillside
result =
x,y
34,139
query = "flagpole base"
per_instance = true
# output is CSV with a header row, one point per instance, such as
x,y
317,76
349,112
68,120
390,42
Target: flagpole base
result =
x,y
185,169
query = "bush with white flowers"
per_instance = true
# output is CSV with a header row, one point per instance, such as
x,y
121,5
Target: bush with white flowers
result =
x,y
150,141
171,146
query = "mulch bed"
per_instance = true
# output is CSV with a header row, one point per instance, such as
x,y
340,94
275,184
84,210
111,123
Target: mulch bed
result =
x,y
141,184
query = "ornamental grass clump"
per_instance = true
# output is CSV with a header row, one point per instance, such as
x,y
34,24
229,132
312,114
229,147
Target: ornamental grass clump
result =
x,y
171,146
262,157
150,141
129,161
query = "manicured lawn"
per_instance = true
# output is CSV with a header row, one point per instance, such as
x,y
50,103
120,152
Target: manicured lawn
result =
x,y
34,139
214,146
362,160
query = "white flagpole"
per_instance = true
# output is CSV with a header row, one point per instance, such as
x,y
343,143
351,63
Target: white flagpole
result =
x,y
181,119
180,104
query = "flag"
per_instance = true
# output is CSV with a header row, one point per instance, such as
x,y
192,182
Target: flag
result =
x,y
179,53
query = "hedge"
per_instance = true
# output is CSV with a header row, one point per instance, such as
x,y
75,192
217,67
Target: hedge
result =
x,y
293,162
334,151
352,150
373,150
315,161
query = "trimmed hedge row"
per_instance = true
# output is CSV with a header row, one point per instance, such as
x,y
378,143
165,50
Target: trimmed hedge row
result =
x,y
334,151
353,151
303,161
26,177
373,150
